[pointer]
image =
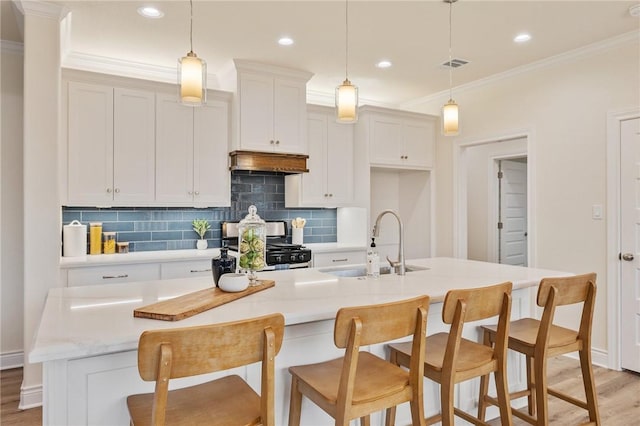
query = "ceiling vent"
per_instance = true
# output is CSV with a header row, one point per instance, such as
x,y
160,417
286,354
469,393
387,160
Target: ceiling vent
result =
x,y
455,63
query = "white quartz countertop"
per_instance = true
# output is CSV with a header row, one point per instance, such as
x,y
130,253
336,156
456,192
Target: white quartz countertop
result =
x,y
179,255
94,320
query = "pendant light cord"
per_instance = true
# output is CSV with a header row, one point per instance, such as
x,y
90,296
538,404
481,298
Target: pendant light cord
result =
x,y
450,64
346,26
191,26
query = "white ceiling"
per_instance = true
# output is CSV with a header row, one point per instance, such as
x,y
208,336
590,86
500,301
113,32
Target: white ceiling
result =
x,y
411,34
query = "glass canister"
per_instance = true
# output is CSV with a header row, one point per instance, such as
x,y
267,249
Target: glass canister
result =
x,y
95,237
252,242
109,244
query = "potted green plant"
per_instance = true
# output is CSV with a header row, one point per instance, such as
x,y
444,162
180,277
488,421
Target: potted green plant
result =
x,y
201,226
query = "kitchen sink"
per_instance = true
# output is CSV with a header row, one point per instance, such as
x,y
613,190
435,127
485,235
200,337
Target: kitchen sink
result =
x,y
361,271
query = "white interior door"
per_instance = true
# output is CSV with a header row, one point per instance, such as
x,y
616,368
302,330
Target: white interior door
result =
x,y
630,243
513,213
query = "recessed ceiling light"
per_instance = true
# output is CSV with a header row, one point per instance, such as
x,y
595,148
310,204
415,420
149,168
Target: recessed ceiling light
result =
x,y
150,12
384,64
285,41
522,38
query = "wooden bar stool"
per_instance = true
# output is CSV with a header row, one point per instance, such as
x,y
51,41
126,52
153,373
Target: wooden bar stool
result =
x,y
539,340
182,352
452,359
361,383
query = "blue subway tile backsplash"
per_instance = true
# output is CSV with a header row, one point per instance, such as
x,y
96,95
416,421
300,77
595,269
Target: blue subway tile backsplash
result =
x,y
169,228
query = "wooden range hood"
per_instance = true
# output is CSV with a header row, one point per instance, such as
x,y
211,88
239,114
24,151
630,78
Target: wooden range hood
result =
x,y
268,162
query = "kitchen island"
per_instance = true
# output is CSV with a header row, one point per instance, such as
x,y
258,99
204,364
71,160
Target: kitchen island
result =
x,y
88,336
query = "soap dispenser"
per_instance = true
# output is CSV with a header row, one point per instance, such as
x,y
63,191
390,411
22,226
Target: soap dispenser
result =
x,y
222,264
373,260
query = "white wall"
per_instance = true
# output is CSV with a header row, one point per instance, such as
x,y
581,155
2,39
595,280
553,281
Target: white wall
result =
x,y
11,258
480,179
564,105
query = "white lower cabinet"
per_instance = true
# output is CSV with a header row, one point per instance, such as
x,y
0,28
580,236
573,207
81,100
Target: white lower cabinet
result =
x,y
113,274
339,258
188,269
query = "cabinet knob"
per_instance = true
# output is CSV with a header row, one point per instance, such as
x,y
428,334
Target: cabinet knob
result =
x,y
108,190
330,195
197,192
271,142
190,192
117,190
326,195
277,142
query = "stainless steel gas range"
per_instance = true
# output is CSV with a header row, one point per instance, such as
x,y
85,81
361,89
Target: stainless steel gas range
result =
x,y
280,254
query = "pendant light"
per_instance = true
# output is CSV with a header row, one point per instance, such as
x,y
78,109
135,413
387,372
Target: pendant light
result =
x,y
346,93
192,74
450,109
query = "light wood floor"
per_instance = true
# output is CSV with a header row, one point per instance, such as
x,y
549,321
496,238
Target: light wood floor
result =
x,y
618,397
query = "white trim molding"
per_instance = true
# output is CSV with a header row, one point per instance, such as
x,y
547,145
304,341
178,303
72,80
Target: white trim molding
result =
x,y
11,47
10,360
30,397
42,9
613,232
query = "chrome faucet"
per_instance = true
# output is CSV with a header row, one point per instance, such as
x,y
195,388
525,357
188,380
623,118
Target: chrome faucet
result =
x,y
398,265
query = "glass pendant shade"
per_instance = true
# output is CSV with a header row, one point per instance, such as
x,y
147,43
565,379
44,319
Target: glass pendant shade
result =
x,y
347,102
192,80
450,118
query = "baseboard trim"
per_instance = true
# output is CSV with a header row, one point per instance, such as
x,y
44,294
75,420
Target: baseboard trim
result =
x,y
11,360
30,397
599,357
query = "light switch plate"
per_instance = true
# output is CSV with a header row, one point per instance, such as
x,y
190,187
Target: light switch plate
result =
x,y
596,211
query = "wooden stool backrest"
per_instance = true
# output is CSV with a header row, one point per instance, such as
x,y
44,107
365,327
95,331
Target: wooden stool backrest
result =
x,y
208,348
561,291
380,323
480,303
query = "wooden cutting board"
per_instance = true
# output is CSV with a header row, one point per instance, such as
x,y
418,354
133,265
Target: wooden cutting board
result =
x,y
190,304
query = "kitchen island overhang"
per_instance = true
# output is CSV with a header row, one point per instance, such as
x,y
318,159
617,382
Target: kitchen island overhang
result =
x,y
87,339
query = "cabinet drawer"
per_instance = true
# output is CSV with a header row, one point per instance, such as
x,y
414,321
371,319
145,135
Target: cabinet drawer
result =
x,y
113,274
354,257
193,268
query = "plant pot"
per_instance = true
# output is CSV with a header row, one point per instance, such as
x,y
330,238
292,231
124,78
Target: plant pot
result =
x,y
201,244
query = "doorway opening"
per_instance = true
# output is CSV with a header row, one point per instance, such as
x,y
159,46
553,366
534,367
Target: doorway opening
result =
x,y
495,204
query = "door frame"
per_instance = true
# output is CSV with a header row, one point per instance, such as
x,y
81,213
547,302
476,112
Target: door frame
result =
x,y
614,232
460,189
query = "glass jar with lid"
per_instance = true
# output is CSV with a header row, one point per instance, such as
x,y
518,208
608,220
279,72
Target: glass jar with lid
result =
x,y
252,242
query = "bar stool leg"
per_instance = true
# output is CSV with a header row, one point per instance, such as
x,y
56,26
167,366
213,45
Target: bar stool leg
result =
x,y
484,382
540,383
589,385
295,404
504,400
391,411
446,401
531,386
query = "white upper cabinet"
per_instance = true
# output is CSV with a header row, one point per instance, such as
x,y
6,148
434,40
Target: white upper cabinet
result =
x,y
192,153
110,150
329,182
399,139
271,108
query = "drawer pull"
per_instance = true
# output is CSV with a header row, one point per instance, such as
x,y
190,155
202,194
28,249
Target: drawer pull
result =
x,y
108,277
200,270
339,260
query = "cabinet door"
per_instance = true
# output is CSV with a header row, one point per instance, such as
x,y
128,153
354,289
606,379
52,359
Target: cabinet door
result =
x,y
419,143
211,175
289,118
174,151
385,146
90,144
113,274
339,155
133,147
314,183
256,112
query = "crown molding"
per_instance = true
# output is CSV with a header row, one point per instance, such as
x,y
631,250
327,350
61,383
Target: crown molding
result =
x,y
11,47
41,9
571,55
119,67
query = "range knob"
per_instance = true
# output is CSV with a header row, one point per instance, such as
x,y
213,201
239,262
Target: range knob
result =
x,y
293,257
